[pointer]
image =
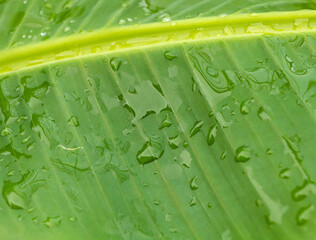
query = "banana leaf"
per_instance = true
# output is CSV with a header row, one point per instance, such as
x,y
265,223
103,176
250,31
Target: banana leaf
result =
x,y
158,119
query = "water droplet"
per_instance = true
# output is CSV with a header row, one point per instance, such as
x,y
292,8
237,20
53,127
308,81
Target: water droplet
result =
x,y
168,217
263,115
245,106
303,214
186,159
192,201
299,193
31,210
35,219
157,202
6,131
209,205
223,155
269,152
72,219
166,122
132,90
169,55
243,154
67,29
52,221
285,173
211,135
18,194
73,120
115,64
151,151
193,183
174,142
196,128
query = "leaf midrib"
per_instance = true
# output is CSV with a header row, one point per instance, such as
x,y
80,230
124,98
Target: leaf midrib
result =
x,y
140,36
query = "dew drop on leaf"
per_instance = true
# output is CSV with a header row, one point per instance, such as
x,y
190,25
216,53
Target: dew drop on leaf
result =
x,y
263,115
245,107
193,183
52,221
73,120
151,150
169,55
115,64
211,135
303,214
285,173
72,219
174,142
243,154
166,122
192,201
6,131
196,128
223,155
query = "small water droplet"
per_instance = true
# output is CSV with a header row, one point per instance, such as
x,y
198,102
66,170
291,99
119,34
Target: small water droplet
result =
x,y
186,159
192,201
166,122
211,135
303,214
174,142
72,219
132,90
193,183
196,128
223,155
35,219
245,107
169,55
269,152
73,120
157,202
6,131
52,221
168,217
115,64
285,173
209,205
243,154
263,115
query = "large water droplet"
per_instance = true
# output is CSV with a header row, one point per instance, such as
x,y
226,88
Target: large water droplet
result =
x,y
193,183
303,214
6,131
243,154
52,221
174,142
196,128
285,173
192,201
211,135
245,107
73,120
263,115
151,151
115,64
186,159
166,122
169,55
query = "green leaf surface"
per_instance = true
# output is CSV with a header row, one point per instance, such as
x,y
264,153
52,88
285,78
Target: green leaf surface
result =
x,y
157,119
